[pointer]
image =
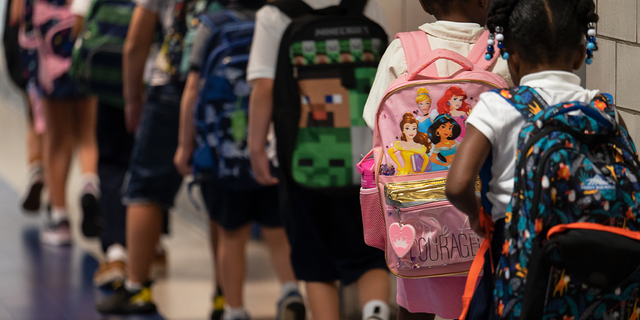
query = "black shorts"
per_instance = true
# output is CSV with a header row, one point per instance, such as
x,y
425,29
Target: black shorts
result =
x,y
12,51
234,209
327,242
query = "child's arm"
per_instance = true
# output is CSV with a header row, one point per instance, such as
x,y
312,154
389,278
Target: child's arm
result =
x,y
134,58
260,114
461,180
187,133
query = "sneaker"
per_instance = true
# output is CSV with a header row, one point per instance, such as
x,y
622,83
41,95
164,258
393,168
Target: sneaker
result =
x,y
91,219
218,307
291,307
109,273
56,234
124,301
31,198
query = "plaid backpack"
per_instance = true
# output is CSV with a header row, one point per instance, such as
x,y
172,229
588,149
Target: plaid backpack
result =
x,y
97,56
572,247
326,65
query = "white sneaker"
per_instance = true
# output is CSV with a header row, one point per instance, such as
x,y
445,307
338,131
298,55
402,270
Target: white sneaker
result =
x,y
56,234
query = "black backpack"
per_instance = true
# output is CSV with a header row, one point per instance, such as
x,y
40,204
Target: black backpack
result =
x,y
326,65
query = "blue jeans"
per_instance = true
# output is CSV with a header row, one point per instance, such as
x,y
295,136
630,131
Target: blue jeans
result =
x,y
152,176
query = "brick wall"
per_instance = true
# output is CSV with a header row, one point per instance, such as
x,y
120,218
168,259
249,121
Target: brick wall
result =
x,y
616,67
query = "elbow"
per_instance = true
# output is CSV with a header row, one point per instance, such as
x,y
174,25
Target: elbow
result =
x,y
456,190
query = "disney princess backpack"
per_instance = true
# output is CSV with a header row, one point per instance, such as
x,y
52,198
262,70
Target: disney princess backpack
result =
x,y
418,126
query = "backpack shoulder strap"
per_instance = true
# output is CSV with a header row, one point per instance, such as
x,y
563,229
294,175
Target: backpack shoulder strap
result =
x,y
215,20
415,45
525,99
354,6
604,103
292,8
478,52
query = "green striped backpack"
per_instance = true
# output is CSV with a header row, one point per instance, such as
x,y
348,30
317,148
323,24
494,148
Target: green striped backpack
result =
x,y
97,56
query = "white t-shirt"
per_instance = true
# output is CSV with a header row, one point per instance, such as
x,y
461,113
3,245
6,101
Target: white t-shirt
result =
x,y
501,123
270,26
80,7
455,36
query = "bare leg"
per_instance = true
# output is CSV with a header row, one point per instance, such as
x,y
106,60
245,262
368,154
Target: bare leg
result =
x,y
233,263
58,147
323,300
278,243
144,225
373,285
86,115
34,140
214,235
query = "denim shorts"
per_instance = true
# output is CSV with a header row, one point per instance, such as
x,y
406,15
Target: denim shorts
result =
x,y
152,176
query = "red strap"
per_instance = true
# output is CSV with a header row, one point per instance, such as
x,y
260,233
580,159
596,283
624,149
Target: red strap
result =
x,y
415,45
479,50
478,263
593,226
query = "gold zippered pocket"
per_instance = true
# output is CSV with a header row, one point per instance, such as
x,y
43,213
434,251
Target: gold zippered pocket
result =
x,y
414,193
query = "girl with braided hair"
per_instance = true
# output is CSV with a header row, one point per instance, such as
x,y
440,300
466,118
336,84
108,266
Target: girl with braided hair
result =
x,y
543,42
458,27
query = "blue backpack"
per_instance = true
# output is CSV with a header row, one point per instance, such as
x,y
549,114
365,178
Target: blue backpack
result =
x,y
221,113
572,231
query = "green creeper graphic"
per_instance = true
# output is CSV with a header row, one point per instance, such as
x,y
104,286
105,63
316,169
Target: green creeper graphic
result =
x,y
333,50
296,51
355,46
239,123
323,157
309,52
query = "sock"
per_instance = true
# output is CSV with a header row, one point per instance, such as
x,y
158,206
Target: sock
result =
x,y
234,313
90,184
288,287
59,214
376,308
116,252
132,286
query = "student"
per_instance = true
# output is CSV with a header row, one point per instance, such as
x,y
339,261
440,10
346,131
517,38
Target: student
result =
x,y
458,27
14,64
70,118
543,63
153,179
228,209
339,252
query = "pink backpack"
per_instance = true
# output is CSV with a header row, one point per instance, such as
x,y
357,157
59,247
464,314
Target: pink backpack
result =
x,y
52,63
419,124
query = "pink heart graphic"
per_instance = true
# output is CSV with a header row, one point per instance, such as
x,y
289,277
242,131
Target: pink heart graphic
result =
x,y
401,238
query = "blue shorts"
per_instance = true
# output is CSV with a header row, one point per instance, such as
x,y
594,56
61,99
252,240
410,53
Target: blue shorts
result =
x,y
152,176
234,209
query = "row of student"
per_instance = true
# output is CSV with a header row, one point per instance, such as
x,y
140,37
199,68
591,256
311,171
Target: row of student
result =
x,y
540,55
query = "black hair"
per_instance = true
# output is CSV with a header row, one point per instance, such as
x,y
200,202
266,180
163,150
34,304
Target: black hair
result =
x,y
541,31
438,7
440,120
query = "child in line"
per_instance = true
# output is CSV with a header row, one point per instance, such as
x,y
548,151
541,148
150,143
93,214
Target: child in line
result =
x,y
458,27
339,250
230,215
542,62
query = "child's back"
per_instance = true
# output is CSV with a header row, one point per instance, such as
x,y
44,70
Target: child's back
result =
x,y
441,296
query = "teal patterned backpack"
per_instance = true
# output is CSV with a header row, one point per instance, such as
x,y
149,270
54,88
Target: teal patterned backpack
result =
x,y
572,240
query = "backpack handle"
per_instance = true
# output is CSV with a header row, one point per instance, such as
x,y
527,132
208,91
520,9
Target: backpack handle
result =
x,y
587,110
435,55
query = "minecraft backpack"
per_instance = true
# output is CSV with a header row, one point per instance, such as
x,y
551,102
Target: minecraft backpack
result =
x,y
418,127
326,65
572,234
221,112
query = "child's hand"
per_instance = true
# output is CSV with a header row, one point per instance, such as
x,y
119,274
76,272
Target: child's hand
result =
x,y
474,221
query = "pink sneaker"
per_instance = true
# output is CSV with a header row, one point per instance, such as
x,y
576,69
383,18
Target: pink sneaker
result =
x,y
56,234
